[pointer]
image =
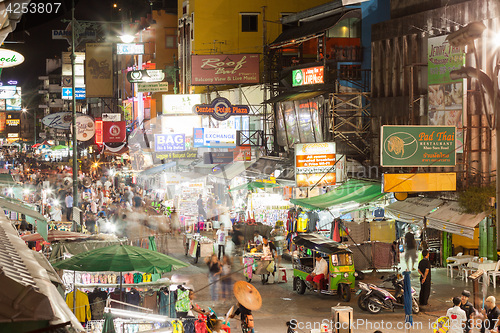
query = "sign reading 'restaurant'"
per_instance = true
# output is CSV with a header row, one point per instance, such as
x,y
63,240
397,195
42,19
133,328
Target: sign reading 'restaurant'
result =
x,y
224,69
418,146
221,109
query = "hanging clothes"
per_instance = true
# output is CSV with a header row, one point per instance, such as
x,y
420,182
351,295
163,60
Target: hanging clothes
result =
x,y
129,278
182,303
133,297
137,277
150,301
164,302
302,221
178,327
97,300
313,221
82,306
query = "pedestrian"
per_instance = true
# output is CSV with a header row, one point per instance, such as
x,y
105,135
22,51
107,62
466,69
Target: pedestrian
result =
x,y
410,250
456,317
237,239
490,315
214,271
468,308
257,238
69,206
137,200
424,269
201,208
246,317
221,241
226,280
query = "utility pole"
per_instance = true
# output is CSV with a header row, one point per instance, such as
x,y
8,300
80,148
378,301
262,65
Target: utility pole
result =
x,y
73,100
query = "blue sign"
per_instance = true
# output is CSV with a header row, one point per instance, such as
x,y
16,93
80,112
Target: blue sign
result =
x,y
67,93
170,142
198,141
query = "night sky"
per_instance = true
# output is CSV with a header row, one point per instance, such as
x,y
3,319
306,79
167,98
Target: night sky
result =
x,y
32,37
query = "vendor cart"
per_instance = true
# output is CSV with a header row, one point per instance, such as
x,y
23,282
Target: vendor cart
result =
x,y
198,246
254,263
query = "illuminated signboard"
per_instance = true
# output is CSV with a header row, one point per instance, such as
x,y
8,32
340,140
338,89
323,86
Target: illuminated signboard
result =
x,y
129,48
145,75
221,109
170,142
98,132
9,58
9,92
214,138
305,76
315,164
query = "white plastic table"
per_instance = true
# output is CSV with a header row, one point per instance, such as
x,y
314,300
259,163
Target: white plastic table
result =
x,y
486,265
459,260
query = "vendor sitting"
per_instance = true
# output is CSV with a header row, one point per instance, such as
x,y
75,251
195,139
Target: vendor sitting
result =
x,y
319,273
257,238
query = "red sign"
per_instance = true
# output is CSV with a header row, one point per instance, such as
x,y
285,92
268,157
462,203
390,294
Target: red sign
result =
x,y
242,153
224,69
98,132
114,131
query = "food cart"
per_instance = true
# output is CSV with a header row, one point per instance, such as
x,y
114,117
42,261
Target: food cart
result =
x,y
196,246
255,263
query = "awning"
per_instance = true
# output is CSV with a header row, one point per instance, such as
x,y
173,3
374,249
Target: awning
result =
x,y
6,179
157,169
266,165
412,210
294,96
451,218
27,285
359,191
311,30
18,206
230,171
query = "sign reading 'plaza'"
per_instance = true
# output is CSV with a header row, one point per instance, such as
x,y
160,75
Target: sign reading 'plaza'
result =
x,y
221,109
418,146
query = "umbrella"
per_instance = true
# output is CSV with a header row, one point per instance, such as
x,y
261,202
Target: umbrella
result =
x,y
254,185
121,258
408,299
55,235
247,295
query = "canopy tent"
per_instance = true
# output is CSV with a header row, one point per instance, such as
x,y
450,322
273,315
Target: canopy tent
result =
x,y
253,185
450,218
157,169
412,210
359,191
121,258
21,208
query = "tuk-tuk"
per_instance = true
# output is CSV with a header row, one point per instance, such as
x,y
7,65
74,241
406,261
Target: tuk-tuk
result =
x,y
341,274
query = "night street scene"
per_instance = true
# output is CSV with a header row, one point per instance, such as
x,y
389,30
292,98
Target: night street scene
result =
x,y
257,166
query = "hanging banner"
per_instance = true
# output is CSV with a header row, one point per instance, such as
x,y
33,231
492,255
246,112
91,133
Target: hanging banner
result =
x,y
114,131
446,96
224,69
99,70
315,164
418,146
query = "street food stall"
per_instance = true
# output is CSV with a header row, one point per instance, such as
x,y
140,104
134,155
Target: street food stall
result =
x,y
196,246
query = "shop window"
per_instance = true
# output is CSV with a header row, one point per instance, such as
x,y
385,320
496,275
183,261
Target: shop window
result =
x,y
347,28
249,22
170,42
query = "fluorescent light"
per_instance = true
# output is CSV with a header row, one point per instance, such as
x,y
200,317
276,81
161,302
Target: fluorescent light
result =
x,y
137,315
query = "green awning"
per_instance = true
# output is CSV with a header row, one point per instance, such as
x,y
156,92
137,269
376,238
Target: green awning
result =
x,y
359,191
20,207
6,179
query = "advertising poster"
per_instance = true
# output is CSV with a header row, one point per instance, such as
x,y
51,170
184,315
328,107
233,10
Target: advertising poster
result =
x,y
446,96
418,146
315,164
224,69
99,69
214,138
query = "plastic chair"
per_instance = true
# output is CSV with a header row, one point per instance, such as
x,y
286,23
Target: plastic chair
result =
x,y
493,274
452,265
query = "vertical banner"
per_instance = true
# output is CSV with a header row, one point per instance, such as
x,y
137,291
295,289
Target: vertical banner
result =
x,y
445,95
99,69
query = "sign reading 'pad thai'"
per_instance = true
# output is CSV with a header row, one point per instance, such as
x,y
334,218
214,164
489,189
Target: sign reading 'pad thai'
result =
x,y
418,146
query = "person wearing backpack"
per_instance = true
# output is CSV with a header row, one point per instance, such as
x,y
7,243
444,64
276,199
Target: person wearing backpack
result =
x,y
246,317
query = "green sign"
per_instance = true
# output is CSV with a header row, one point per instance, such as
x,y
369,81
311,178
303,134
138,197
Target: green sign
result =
x,y
442,59
306,76
418,146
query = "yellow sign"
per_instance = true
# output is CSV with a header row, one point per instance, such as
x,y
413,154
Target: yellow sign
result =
x,y
419,182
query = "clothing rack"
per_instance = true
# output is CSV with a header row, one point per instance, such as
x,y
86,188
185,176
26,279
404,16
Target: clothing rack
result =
x,y
160,282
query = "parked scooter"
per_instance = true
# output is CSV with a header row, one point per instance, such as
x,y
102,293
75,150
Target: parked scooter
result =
x,y
373,298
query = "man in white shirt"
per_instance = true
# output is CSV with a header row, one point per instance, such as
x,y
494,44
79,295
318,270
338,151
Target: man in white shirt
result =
x,y
220,237
319,273
456,317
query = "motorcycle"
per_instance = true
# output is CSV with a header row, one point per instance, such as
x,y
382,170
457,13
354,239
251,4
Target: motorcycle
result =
x,y
373,298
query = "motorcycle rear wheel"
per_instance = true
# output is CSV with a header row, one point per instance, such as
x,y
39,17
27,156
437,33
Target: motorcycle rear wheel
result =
x,y
415,308
362,301
372,307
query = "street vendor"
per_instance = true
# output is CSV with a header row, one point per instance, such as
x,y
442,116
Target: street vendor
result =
x,y
319,272
268,249
257,238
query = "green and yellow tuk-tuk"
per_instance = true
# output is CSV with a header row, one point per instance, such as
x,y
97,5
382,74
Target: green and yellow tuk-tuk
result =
x,y
341,274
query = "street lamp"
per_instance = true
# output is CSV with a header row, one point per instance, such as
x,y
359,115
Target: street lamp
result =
x,y
467,36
